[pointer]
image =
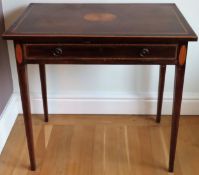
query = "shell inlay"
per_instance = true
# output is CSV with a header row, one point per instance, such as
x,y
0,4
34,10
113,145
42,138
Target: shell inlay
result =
x,y
19,54
182,55
100,17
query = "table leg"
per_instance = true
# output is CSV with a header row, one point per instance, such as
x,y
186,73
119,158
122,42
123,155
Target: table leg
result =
x,y
42,71
23,82
160,92
178,90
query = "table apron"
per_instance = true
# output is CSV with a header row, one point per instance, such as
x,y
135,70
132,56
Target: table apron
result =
x,y
100,53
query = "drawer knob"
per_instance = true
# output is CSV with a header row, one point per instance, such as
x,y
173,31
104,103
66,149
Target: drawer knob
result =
x,y
57,52
144,52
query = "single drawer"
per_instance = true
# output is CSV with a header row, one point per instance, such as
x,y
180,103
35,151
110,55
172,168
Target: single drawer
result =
x,y
101,53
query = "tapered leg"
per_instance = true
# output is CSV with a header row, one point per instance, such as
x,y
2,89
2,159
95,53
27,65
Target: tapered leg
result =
x,y
44,90
160,92
23,82
178,90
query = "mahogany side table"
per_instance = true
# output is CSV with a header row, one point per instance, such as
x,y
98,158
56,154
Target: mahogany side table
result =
x,y
152,34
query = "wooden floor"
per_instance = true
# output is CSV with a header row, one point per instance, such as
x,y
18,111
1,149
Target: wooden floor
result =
x,y
102,145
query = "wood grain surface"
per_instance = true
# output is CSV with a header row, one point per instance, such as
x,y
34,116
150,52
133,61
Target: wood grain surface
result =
x,y
102,145
134,21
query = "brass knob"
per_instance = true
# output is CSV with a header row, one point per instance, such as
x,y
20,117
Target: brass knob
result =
x,y
144,52
57,52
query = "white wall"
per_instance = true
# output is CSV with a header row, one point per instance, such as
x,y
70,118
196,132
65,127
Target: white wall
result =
x,y
128,87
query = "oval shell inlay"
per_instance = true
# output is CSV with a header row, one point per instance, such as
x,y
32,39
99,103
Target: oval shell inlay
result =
x,y
182,55
101,17
19,54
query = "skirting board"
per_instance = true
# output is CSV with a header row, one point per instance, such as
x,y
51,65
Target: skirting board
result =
x,y
112,105
7,119
94,105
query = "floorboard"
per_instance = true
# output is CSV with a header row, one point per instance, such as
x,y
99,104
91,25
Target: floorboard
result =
x,y
102,145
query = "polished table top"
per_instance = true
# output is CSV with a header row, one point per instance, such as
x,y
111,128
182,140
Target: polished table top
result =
x,y
120,21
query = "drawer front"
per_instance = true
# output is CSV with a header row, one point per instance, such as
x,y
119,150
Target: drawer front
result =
x,y
100,52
